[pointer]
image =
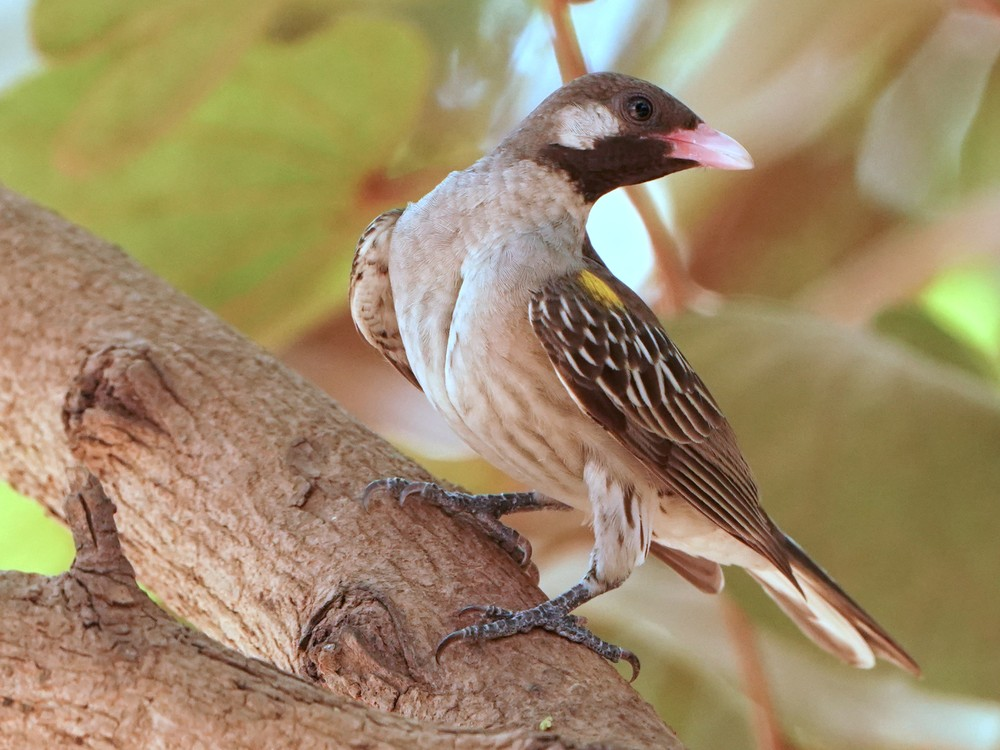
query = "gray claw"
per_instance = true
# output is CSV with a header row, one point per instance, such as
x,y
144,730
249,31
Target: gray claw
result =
x,y
633,661
457,635
391,486
490,611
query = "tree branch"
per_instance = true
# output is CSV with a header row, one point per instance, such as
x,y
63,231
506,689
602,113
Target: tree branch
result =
x,y
91,661
237,485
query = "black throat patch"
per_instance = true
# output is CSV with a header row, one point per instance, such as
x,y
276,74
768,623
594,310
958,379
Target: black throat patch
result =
x,y
612,163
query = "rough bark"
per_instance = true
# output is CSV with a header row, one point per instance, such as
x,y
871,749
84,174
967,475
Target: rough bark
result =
x,y
237,484
164,682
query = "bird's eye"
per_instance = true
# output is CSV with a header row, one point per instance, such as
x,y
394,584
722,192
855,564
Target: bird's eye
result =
x,y
639,108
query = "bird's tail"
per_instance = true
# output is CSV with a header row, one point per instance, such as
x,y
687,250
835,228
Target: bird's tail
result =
x,y
828,615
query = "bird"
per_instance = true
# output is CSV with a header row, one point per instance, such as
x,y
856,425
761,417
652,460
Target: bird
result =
x,y
488,295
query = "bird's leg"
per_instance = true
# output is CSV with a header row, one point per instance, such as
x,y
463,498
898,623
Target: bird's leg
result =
x,y
620,542
553,615
484,510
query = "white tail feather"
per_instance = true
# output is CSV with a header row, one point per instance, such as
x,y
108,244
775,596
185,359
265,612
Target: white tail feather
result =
x,y
816,617
825,613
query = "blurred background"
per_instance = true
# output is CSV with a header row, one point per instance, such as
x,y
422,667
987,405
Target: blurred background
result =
x,y
842,300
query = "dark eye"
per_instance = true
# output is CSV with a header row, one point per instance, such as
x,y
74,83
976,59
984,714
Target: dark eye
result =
x,y
639,108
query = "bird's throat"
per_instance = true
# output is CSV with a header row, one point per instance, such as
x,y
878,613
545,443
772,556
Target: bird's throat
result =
x,y
612,163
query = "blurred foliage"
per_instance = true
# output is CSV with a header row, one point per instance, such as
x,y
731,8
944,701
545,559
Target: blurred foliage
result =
x,y
238,149
966,302
30,540
915,326
230,150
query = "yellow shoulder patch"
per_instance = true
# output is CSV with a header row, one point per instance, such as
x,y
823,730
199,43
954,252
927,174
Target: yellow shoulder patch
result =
x,y
599,290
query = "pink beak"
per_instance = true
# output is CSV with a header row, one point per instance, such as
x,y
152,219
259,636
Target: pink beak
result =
x,y
708,147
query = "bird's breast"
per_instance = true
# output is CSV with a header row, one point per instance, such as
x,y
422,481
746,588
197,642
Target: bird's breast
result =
x,y
465,260
465,263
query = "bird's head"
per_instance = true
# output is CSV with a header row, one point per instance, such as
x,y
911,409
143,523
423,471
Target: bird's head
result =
x,y
607,130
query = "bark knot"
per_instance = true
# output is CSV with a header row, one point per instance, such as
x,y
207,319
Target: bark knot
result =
x,y
117,398
354,644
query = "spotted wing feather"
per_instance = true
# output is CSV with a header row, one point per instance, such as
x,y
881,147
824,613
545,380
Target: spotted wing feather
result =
x,y
620,367
372,305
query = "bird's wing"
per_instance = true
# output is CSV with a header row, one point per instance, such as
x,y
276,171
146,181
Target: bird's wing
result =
x,y
372,306
621,369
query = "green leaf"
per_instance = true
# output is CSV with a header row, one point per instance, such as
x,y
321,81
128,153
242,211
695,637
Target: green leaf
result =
x,y
912,325
265,226
64,28
966,301
881,463
30,540
175,55
249,200
980,166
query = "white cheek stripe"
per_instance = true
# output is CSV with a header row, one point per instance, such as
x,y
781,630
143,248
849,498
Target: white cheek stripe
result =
x,y
581,125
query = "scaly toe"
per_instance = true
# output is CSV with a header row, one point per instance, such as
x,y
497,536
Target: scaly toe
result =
x,y
392,486
497,622
422,490
547,503
490,611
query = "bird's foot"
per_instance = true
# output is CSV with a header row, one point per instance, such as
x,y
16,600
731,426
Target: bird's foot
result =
x,y
550,615
484,510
